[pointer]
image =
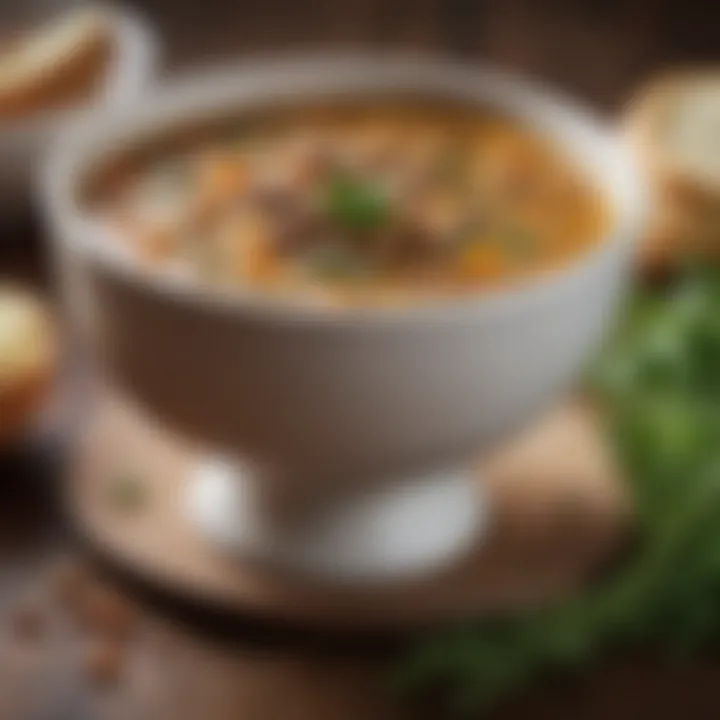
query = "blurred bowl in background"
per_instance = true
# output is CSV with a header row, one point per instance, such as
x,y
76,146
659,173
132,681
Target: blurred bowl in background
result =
x,y
43,57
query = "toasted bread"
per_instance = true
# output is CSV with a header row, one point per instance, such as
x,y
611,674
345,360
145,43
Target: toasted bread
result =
x,y
27,360
674,122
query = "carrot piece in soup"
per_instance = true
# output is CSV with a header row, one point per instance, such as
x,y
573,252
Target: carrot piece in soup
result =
x,y
482,261
222,177
248,248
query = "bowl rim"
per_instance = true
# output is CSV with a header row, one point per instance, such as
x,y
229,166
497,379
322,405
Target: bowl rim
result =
x,y
259,82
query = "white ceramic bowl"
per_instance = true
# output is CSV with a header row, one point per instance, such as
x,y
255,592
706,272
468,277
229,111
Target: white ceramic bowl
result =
x,y
323,398
24,141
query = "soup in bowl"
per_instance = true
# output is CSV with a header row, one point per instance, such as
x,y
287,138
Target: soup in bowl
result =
x,y
355,203
350,276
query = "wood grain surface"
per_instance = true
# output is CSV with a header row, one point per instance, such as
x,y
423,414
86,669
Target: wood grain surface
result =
x,y
559,513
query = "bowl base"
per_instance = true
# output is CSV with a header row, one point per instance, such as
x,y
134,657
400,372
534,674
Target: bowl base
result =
x,y
404,528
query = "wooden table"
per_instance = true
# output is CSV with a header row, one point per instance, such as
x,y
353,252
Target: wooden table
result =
x,y
598,49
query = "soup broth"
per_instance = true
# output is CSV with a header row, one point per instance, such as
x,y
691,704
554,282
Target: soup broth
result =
x,y
355,204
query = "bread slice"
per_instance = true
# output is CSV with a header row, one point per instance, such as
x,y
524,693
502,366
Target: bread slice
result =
x,y
674,122
54,65
27,360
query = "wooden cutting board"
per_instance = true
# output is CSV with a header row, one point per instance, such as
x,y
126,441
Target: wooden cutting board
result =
x,y
559,512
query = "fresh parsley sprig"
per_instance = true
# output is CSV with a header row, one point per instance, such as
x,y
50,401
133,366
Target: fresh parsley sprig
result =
x,y
658,387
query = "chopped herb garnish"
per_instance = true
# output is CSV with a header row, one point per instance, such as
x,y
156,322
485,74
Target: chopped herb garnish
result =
x,y
356,204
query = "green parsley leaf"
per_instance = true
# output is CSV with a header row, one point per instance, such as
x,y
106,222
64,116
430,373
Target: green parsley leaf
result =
x,y
356,204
